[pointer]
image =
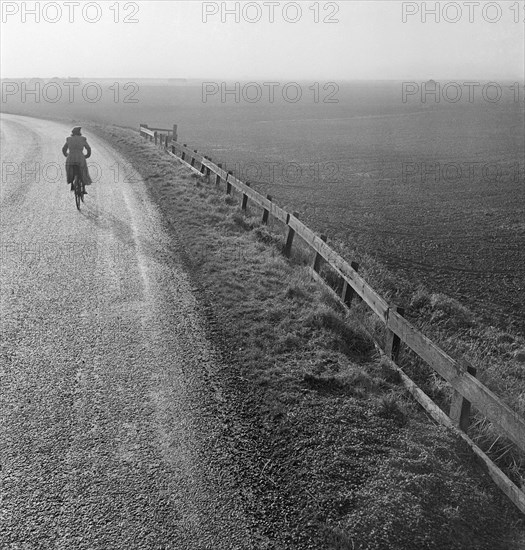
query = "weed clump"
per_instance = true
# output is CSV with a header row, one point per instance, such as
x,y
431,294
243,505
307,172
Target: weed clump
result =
x,y
450,313
265,236
288,342
420,300
354,381
388,407
296,292
349,336
388,373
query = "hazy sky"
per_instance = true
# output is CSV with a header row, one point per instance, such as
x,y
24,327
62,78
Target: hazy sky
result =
x,y
170,38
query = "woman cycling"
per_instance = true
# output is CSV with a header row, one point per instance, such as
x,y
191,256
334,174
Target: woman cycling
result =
x,y
74,151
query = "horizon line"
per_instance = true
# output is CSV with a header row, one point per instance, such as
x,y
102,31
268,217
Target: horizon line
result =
x,y
268,79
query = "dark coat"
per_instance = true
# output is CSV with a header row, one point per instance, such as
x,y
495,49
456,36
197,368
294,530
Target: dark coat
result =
x,y
74,151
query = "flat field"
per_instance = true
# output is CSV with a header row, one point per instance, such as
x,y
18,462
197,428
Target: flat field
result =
x,y
435,191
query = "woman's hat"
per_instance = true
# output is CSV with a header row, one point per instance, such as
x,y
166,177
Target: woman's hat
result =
x,y
76,131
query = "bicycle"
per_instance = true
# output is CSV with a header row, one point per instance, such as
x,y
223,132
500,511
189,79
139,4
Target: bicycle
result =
x,y
78,186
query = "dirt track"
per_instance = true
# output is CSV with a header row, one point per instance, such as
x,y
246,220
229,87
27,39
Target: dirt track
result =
x,y
107,406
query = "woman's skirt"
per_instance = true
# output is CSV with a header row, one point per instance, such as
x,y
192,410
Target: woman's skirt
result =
x,y
84,172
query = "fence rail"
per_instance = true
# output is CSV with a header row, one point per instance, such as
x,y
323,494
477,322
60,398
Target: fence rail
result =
x,y
468,388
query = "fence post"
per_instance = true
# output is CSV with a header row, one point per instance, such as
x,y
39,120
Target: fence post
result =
x,y
459,406
348,293
245,198
208,169
392,341
174,132
183,157
193,158
266,213
217,177
318,258
289,237
228,184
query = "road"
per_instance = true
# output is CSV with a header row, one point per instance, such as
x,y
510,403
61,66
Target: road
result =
x,y
107,398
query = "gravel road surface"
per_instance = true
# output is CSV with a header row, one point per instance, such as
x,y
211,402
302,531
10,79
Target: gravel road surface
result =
x,y
108,408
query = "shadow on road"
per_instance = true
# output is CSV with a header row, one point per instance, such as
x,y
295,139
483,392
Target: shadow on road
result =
x,y
132,242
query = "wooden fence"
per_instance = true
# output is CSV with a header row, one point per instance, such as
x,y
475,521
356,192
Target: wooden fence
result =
x,y
468,390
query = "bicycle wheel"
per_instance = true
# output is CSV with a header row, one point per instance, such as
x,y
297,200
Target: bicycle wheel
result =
x,y
77,186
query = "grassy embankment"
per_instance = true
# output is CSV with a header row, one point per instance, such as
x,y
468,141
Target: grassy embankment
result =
x,y
332,451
